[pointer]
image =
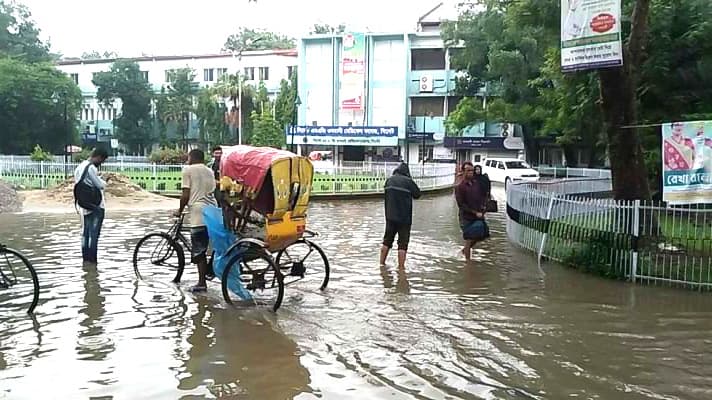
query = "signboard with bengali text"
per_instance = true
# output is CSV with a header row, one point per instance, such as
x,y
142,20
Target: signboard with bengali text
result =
x,y
687,162
590,34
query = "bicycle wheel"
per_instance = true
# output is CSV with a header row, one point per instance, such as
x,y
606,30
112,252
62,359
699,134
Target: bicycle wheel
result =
x,y
258,274
19,285
304,260
158,257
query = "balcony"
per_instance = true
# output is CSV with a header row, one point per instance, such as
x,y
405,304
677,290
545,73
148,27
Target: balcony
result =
x,y
443,82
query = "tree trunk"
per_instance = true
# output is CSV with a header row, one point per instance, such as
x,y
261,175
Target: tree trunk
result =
x,y
618,103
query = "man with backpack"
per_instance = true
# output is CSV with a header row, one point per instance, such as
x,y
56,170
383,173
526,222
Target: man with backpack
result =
x,y
400,191
89,199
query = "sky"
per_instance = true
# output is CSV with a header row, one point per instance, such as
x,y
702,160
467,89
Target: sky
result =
x,y
182,27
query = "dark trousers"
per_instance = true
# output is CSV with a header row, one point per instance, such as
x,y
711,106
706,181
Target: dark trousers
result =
x,y
90,234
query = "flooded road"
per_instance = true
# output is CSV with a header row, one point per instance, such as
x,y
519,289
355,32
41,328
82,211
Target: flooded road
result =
x,y
501,328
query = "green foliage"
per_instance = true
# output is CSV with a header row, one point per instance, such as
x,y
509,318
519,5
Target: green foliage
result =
x,y
28,114
40,155
321,29
82,155
285,109
176,102
124,81
267,131
228,87
19,37
516,44
257,39
211,115
168,156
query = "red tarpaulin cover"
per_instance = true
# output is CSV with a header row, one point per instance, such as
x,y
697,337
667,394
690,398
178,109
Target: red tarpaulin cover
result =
x,y
249,165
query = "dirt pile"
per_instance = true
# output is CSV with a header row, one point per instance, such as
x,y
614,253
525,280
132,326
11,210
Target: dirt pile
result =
x,y
10,200
117,185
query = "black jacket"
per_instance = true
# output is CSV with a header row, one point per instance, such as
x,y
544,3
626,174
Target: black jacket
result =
x,y
400,192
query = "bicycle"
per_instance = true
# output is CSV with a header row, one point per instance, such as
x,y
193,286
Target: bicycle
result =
x,y
16,276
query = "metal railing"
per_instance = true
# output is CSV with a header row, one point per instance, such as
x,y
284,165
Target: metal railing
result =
x,y
166,179
639,241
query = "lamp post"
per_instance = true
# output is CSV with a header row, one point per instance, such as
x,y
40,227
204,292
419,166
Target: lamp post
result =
x,y
297,103
56,97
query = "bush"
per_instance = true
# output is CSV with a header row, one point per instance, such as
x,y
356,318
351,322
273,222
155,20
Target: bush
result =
x,y
168,156
82,155
40,155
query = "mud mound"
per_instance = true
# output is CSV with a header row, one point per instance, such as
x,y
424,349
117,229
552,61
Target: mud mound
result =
x,y
117,185
10,200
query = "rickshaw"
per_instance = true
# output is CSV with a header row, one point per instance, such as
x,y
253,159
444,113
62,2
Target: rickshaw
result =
x,y
258,234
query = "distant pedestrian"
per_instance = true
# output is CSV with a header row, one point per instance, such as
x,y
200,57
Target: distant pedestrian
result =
x,y
400,191
89,197
471,199
484,181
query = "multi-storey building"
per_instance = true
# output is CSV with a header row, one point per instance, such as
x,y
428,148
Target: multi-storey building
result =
x,y
96,118
385,96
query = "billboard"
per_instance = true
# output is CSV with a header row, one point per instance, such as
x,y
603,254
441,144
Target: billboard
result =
x,y
353,71
590,34
344,135
687,162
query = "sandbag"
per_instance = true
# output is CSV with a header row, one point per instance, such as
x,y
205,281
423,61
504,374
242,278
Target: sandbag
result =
x,y
221,239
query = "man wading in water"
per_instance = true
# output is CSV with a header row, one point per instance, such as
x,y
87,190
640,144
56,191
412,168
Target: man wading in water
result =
x,y
400,192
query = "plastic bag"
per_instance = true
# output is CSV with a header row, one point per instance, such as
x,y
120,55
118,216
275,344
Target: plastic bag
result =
x,y
221,239
475,230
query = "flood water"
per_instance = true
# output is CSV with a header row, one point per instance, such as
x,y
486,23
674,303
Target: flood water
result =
x,y
501,328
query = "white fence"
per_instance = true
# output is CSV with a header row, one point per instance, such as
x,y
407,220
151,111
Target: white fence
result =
x,y
634,240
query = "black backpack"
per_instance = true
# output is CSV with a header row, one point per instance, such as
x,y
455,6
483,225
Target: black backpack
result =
x,y
86,196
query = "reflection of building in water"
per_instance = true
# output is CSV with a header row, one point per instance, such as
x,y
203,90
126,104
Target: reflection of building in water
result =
x,y
241,357
93,344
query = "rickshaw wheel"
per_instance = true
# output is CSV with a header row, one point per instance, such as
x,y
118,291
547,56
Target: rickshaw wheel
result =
x,y
157,255
258,274
304,260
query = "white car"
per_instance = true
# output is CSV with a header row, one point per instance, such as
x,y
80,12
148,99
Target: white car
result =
x,y
507,170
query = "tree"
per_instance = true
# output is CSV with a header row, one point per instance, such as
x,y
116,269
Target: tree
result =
x,y
267,131
517,45
211,116
177,101
254,39
95,55
124,81
28,114
227,87
285,110
19,37
321,29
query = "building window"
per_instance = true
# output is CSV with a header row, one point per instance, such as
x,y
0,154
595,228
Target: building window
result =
x,y
250,73
75,78
264,73
91,110
208,74
427,59
144,75
169,75
427,106
427,150
221,72
291,70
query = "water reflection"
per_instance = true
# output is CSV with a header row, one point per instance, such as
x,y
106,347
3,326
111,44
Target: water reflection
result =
x,y
93,344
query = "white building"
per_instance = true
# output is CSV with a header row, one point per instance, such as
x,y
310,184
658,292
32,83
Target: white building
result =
x,y
268,66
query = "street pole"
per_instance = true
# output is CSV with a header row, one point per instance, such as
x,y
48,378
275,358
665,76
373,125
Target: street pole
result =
x,y
69,139
297,103
239,101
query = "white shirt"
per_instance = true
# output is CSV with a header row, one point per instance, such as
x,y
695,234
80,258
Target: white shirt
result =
x,y
92,179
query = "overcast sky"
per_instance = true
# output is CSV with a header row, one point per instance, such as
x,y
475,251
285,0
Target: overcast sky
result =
x,y
168,27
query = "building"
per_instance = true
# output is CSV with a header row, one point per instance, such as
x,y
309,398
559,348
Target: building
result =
x,y
96,119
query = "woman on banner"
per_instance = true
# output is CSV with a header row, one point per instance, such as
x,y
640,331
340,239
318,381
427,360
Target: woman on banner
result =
x,y
678,150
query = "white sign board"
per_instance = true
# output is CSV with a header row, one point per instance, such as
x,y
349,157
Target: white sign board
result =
x,y
590,34
114,143
442,153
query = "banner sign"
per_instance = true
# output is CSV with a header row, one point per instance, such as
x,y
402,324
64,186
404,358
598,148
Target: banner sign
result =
x,y
344,135
353,71
494,143
590,34
687,162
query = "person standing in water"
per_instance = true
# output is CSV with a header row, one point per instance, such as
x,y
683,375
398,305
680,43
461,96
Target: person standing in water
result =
x,y
400,191
471,199
93,219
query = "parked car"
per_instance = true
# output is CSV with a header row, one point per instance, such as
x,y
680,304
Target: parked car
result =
x,y
507,170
